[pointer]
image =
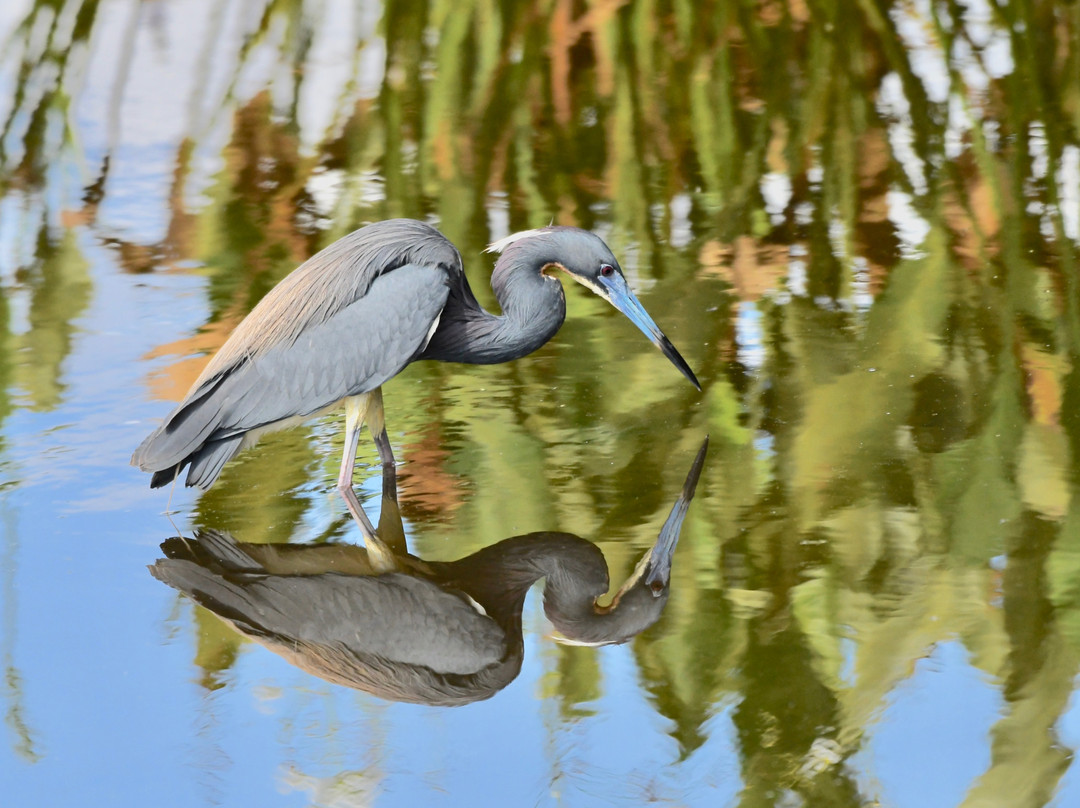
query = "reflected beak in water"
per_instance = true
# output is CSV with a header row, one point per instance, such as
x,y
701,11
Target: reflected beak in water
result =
x,y
654,569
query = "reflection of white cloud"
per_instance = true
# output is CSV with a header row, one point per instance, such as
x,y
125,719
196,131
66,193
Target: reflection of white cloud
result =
x,y
12,12
977,18
326,188
861,299
970,68
498,211
893,105
748,335
997,56
355,789
1068,182
682,231
959,124
776,190
19,216
796,270
1040,158
337,72
911,228
915,25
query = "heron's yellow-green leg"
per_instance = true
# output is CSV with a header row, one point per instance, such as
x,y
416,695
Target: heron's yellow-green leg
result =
x,y
358,409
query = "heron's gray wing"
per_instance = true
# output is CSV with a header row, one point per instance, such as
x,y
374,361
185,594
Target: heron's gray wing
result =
x,y
395,618
331,281
354,351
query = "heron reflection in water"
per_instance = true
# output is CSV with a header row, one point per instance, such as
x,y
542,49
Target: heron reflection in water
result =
x,y
353,316
442,633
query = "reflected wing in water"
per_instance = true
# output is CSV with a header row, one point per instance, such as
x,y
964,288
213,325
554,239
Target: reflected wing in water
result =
x,y
397,635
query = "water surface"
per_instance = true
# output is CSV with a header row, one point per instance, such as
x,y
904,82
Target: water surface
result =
x,y
859,224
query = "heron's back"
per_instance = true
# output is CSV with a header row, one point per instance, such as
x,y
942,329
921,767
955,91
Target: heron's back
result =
x,y
342,324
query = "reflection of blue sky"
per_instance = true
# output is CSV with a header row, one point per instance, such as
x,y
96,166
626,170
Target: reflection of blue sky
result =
x,y
931,740
748,335
108,694
1068,730
183,56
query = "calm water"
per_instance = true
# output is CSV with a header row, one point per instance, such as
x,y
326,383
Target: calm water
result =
x,y
859,223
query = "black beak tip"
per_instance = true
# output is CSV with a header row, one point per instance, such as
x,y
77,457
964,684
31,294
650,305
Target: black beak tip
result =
x,y
672,353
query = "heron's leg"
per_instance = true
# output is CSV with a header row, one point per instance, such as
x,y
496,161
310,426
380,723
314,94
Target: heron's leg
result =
x,y
356,410
390,530
389,464
376,419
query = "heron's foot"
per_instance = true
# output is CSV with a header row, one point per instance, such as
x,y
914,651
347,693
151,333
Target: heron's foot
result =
x,y
382,558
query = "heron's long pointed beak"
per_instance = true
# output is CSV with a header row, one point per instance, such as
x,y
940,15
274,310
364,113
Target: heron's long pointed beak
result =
x,y
615,289
655,567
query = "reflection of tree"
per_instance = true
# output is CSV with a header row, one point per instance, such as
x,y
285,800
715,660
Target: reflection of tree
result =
x,y
1027,759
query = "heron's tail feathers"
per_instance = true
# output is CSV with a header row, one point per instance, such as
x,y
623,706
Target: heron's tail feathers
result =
x,y
212,549
204,464
219,593
191,436
213,570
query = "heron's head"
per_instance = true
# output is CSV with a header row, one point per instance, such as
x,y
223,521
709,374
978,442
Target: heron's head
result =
x,y
637,604
588,260
640,601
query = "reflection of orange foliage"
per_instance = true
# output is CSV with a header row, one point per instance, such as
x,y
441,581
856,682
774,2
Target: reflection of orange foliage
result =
x,y
875,234
442,153
427,489
264,176
971,214
799,12
182,223
174,381
753,269
560,60
564,33
1044,373
875,160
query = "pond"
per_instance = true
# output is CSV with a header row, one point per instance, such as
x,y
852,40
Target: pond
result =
x,y
859,224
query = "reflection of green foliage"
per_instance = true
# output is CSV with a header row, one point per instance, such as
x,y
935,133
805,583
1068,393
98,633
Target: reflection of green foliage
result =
x,y
263,488
577,681
60,285
218,647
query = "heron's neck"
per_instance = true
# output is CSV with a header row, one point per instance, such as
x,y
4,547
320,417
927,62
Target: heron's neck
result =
x,y
498,577
533,307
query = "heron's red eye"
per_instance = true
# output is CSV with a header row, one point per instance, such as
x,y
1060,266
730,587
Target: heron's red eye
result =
x,y
607,270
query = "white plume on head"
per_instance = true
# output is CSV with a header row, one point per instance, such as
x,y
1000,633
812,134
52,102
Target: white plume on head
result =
x,y
503,243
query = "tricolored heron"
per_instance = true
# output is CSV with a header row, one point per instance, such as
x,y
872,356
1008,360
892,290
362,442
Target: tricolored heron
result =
x,y
351,317
430,632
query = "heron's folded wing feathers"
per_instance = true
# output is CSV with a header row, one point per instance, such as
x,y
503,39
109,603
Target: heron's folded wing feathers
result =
x,y
394,617
354,351
331,281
